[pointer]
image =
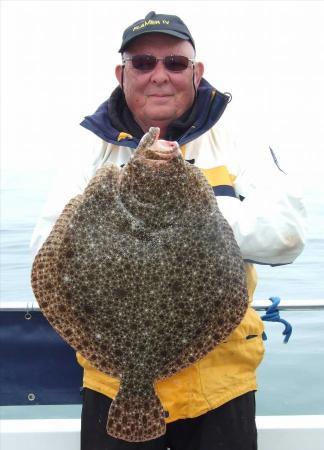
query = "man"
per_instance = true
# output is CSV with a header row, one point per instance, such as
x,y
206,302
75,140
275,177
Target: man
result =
x,y
210,404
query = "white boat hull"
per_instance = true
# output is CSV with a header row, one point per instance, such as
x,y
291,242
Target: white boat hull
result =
x,y
274,433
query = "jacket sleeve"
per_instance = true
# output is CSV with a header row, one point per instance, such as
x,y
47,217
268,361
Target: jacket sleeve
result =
x,y
268,216
70,181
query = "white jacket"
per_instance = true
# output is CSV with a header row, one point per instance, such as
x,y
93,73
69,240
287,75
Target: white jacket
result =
x,y
269,224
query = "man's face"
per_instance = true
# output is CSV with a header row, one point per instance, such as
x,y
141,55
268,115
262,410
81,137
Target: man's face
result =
x,y
159,96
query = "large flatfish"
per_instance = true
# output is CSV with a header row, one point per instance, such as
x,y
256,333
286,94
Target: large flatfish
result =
x,y
142,275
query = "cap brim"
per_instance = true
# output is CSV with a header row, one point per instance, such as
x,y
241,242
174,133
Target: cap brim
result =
x,y
171,33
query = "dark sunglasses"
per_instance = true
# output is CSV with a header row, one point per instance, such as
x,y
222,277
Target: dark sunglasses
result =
x,y
173,63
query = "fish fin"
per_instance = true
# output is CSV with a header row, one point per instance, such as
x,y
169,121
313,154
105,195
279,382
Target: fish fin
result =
x,y
136,419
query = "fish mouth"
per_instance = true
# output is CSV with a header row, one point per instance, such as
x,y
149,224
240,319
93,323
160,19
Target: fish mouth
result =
x,y
165,150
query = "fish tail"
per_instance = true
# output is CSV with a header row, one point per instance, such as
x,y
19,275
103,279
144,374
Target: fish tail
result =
x,y
136,419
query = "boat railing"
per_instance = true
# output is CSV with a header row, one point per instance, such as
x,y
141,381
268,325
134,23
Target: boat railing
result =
x,y
258,305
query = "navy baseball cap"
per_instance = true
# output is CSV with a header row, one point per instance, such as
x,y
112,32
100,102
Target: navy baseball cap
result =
x,y
156,23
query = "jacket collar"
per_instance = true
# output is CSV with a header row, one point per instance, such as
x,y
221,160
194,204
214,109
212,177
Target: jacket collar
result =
x,y
210,105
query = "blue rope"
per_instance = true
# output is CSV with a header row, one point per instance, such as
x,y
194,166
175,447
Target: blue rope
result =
x,y
272,315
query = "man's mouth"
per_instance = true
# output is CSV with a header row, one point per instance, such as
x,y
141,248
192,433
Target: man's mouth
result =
x,y
160,95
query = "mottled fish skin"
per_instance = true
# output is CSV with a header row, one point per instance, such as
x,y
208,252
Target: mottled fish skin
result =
x,y
142,275
148,139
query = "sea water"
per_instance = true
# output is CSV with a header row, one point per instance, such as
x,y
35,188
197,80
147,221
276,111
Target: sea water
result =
x,y
290,376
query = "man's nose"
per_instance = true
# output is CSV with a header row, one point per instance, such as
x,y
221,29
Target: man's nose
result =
x,y
160,74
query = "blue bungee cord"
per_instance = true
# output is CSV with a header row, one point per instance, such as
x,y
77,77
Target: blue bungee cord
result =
x,y
272,315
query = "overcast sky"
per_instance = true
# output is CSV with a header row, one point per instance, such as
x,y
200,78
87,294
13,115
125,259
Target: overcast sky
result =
x,y
58,59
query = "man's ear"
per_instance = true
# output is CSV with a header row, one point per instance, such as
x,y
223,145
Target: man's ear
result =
x,y
199,71
119,74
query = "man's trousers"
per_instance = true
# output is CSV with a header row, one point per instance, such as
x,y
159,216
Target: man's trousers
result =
x,y
229,427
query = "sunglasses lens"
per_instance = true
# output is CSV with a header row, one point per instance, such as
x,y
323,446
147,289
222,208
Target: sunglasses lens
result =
x,y
176,63
144,62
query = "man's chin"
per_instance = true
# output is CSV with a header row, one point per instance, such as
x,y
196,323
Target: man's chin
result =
x,y
161,114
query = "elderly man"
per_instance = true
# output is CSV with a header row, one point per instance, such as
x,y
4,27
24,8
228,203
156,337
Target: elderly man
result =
x,y
210,404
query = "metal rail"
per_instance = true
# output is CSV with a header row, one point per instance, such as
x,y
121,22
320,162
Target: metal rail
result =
x,y
258,305
291,305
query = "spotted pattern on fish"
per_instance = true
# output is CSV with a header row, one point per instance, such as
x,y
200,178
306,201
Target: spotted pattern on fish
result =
x,y
142,275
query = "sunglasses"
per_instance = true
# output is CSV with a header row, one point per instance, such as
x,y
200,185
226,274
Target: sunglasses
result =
x,y
173,63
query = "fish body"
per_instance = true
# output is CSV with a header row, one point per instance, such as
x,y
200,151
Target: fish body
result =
x,y
142,275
